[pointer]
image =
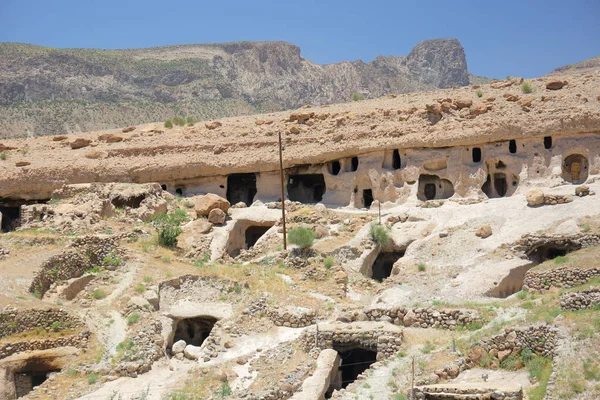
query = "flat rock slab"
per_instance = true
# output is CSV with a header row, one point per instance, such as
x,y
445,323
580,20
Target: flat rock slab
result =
x,y
190,309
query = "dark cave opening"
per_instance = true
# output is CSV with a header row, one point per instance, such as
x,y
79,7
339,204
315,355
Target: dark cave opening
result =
x,y
353,362
131,202
384,263
367,197
253,233
11,218
307,188
194,331
241,188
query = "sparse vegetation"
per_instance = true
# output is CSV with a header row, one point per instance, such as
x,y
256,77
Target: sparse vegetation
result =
x,y
357,96
526,87
168,124
421,267
190,121
92,378
178,121
302,237
329,262
140,288
479,93
98,294
133,318
3,156
380,235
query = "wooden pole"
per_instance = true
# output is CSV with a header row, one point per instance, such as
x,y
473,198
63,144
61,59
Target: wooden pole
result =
x,y
379,213
412,381
282,193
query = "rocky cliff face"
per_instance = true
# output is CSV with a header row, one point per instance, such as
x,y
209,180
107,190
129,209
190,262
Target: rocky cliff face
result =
x,y
48,91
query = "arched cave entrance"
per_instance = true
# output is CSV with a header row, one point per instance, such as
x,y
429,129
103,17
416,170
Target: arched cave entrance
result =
x,y
575,169
334,167
23,374
431,187
511,283
120,201
396,160
547,142
367,197
11,218
193,331
307,188
512,146
476,154
354,164
495,185
384,263
353,362
253,233
550,251
241,188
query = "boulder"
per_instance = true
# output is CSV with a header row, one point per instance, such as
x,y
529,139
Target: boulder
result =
x,y
139,303
503,354
213,125
535,197
463,103
410,318
178,347
555,85
151,297
192,352
484,231
582,190
203,205
79,143
216,216
128,129
22,163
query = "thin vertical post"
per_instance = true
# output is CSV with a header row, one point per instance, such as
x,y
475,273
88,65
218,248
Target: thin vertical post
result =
x,y
379,213
282,193
412,381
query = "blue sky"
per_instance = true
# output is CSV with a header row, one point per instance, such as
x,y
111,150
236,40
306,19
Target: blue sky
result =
x,y
519,38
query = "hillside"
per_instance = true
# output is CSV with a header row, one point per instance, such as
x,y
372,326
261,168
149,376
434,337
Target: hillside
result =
x,y
50,91
589,65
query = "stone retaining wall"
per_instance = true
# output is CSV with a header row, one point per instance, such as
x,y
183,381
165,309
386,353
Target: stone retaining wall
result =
x,y
559,277
530,242
384,342
80,340
440,392
13,320
85,253
294,317
580,300
418,317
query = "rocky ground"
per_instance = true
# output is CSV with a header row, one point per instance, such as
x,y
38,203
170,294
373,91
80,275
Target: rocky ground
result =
x,y
103,265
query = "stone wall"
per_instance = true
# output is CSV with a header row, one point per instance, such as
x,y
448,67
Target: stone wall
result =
x,y
530,242
580,300
294,317
84,253
417,317
441,392
385,342
14,321
558,277
80,340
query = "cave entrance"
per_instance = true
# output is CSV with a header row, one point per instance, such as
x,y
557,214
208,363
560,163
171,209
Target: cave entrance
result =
x,y
307,188
396,160
367,197
511,283
548,252
495,185
429,191
11,218
432,187
575,169
194,331
131,202
253,233
384,263
241,188
335,167
26,381
353,362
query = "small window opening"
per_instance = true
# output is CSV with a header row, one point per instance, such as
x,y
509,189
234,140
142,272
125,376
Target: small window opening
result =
x,y
512,146
396,160
547,142
163,186
354,163
500,165
476,154
335,167
367,197
179,191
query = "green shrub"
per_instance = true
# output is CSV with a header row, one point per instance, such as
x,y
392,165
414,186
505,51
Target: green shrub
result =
x,y
99,294
380,235
92,378
522,294
190,121
510,362
114,261
72,372
179,121
3,156
225,389
56,325
141,288
147,279
479,93
168,124
526,87
94,270
329,262
399,396
421,267
167,236
357,96
427,348
561,260
302,237
133,318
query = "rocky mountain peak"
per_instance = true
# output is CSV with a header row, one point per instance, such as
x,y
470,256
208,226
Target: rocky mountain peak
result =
x,y
439,62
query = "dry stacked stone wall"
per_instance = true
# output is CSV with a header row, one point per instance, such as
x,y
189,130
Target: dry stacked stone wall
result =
x,y
386,343
580,300
530,242
558,277
79,340
14,321
85,253
433,392
294,317
554,199
428,317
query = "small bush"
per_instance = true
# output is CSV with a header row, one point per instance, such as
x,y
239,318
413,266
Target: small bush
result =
x,y
526,87
168,124
92,378
166,259
56,325
427,348
190,121
510,363
358,96
522,294
72,372
167,236
3,156
302,237
329,262
225,389
399,396
133,318
113,261
421,267
380,235
179,121
147,279
141,288
94,270
99,294
479,93
561,260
